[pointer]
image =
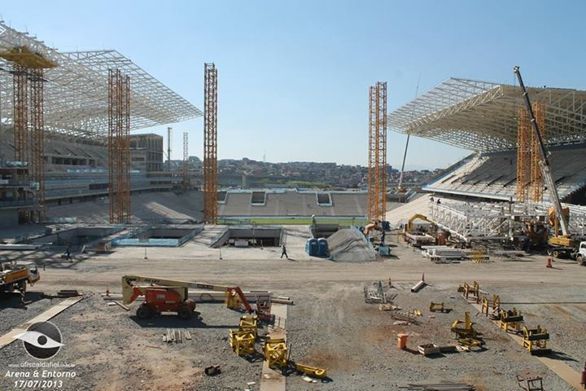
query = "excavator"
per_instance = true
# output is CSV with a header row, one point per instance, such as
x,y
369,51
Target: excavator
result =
x,y
560,240
417,239
163,295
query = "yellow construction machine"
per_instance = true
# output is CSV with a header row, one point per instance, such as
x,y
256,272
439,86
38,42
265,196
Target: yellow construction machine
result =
x,y
415,237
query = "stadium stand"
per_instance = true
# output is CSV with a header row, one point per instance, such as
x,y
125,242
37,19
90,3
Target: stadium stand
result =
x,y
493,175
292,203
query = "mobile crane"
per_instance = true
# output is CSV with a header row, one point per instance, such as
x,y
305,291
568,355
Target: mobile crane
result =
x,y
163,295
563,239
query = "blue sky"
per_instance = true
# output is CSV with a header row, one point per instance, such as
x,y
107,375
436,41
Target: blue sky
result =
x,y
294,76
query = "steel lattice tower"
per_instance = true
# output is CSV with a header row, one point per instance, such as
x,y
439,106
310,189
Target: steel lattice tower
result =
x,y
210,148
537,182
169,149
20,102
38,140
523,155
29,125
377,151
529,180
119,146
185,164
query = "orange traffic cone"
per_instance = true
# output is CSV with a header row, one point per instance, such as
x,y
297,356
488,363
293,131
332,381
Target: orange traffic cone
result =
x,y
548,265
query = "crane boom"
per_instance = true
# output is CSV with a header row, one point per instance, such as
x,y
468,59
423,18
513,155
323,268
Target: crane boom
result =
x,y
130,281
544,163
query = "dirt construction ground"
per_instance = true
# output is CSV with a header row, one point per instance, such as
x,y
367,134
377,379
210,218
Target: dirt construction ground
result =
x,y
329,325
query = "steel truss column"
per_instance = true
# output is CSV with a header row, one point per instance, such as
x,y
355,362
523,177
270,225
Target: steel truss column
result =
x,y
524,152
536,177
185,165
38,140
169,149
119,146
377,151
210,148
20,104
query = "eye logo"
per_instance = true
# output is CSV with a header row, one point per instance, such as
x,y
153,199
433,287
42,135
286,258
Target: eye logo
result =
x,y
42,340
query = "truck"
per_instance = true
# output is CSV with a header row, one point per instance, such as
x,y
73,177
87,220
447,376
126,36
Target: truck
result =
x,y
14,276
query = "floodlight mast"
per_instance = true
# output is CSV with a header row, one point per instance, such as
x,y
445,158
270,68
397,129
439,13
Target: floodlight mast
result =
x,y
544,163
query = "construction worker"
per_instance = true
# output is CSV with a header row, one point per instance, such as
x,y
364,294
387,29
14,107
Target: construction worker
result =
x,y
284,251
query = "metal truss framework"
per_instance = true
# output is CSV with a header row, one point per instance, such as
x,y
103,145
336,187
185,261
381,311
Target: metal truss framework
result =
x,y
38,139
76,93
529,179
483,116
29,137
119,146
210,143
537,182
480,221
474,221
524,150
20,104
169,149
377,151
185,163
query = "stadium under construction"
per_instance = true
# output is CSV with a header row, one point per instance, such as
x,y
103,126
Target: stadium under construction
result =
x,y
116,243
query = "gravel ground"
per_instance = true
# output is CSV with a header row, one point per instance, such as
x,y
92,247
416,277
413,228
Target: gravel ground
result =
x,y
113,350
330,325
357,343
13,313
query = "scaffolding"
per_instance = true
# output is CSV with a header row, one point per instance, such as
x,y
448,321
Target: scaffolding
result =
x,y
537,183
529,179
524,153
28,121
377,151
38,141
20,104
210,148
119,146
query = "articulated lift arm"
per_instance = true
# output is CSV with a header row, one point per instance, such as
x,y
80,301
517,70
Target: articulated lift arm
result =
x,y
129,282
544,161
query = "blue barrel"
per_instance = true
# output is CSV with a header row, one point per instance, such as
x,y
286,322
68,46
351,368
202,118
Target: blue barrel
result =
x,y
322,248
311,247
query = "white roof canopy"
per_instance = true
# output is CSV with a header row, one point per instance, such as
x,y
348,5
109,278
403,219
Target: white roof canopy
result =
x,y
482,116
76,91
